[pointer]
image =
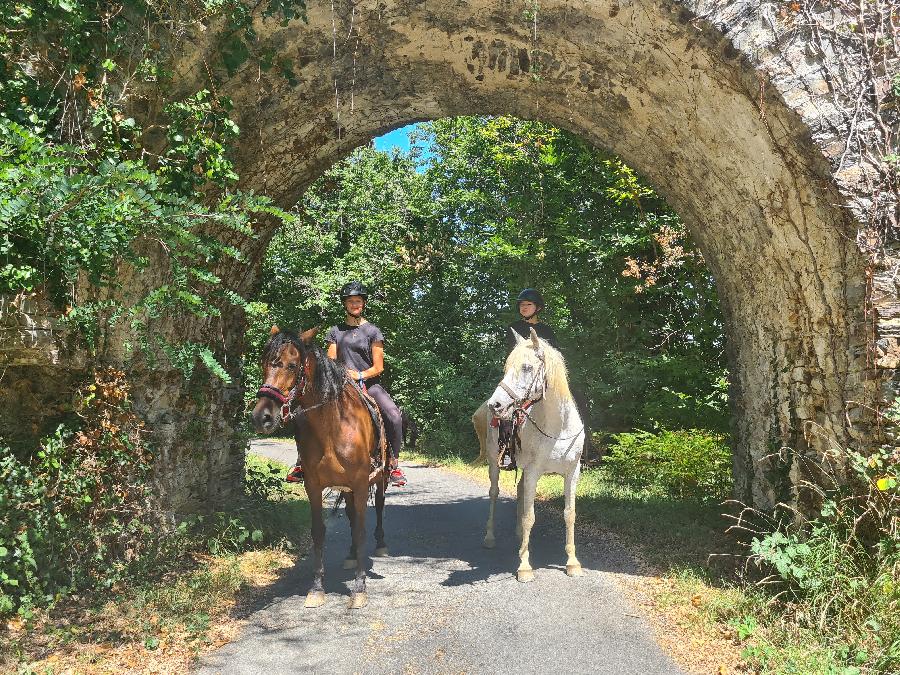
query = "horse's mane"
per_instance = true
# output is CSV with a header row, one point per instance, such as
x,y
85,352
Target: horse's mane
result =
x,y
329,377
557,377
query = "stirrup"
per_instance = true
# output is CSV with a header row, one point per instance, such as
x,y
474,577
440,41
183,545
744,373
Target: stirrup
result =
x,y
506,462
398,478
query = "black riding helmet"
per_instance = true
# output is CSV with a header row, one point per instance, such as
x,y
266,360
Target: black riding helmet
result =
x,y
354,288
531,295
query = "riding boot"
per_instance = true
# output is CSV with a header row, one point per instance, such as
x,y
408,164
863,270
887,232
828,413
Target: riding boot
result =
x,y
295,475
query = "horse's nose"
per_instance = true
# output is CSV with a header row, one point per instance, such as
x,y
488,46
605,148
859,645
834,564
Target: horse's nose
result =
x,y
494,406
267,419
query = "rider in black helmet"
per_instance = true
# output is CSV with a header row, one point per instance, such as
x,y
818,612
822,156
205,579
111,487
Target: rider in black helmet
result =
x,y
530,302
359,346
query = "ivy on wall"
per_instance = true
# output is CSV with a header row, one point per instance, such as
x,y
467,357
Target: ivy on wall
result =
x,y
86,191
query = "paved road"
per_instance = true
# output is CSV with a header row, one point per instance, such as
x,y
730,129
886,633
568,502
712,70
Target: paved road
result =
x,y
443,604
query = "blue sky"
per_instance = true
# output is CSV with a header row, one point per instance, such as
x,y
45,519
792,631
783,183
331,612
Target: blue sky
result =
x,y
399,138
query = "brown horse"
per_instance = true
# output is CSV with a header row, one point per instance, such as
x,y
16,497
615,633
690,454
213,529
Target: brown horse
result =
x,y
335,436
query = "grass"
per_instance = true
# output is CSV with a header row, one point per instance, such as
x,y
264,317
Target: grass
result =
x,y
162,622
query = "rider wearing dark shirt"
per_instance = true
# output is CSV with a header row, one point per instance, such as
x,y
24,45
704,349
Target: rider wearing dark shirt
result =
x,y
359,346
523,328
530,303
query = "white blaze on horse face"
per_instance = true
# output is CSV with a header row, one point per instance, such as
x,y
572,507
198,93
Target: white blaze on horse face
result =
x,y
501,403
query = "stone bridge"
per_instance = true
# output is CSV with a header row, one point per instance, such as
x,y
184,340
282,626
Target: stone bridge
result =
x,y
751,118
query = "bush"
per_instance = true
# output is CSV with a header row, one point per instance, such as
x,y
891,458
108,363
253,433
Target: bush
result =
x,y
838,571
78,513
687,464
267,514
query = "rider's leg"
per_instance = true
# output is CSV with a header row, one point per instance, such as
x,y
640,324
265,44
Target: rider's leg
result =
x,y
393,426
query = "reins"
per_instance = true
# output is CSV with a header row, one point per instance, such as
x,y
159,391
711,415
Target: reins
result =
x,y
524,412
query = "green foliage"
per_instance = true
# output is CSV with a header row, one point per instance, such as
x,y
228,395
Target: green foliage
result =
x,y
267,514
60,217
838,571
84,201
688,464
79,513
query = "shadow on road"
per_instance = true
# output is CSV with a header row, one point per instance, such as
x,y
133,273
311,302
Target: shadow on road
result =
x,y
438,525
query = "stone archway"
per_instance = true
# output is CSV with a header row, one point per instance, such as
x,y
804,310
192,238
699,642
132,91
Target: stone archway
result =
x,y
729,128
734,125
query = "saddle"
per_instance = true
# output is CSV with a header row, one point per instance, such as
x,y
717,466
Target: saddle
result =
x,y
379,449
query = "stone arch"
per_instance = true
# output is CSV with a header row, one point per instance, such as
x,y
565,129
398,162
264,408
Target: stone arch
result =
x,y
734,125
727,126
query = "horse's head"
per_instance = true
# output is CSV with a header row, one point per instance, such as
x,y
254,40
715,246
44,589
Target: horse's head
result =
x,y
285,370
525,378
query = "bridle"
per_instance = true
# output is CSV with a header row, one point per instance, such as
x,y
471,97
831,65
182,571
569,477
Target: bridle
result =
x,y
271,392
526,400
521,404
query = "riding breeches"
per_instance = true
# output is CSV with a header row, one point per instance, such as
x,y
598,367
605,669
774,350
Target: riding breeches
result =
x,y
390,413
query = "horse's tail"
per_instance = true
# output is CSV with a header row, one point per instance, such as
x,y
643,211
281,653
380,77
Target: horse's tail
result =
x,y
480,420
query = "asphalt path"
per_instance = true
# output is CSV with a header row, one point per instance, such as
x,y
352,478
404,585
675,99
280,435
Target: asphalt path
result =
x,y
443,604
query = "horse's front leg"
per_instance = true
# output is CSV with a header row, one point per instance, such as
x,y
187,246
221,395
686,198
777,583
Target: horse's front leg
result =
x,y
359,598
316,595
527,490
381,549
573,567
520,486
492,455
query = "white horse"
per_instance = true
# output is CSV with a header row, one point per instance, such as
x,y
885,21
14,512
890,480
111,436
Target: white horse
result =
x,y
552,438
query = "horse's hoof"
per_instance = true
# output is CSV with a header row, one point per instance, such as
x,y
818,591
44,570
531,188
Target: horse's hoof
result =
x,y
350,564
574,570
314,599
381,552
358,600
489,542
525,575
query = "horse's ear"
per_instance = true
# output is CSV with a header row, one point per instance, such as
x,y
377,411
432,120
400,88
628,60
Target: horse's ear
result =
x,y
535,341
519,338
308,335
274,330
